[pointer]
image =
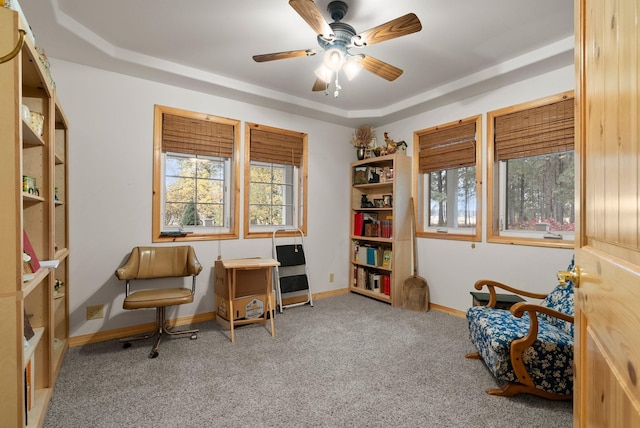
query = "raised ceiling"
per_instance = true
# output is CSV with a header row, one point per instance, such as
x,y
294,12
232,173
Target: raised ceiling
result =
x,y
465,47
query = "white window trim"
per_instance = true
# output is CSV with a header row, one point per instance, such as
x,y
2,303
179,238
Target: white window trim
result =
x,y
198,230
295,184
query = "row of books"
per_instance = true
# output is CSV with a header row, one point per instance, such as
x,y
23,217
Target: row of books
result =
x,y
367,224
368,279
372,255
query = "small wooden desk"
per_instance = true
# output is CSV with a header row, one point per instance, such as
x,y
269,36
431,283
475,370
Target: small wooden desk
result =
x,y
242,278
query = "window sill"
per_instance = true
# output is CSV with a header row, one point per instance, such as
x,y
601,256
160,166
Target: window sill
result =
x,y
191,236
449,235
534,242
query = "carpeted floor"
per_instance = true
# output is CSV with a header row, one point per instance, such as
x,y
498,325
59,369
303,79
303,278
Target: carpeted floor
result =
x,y
349,361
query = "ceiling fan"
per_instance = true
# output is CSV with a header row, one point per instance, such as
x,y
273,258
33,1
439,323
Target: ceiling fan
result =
x,y
337,39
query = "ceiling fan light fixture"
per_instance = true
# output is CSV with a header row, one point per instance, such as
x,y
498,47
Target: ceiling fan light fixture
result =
x,y
351,68
333,59
324,73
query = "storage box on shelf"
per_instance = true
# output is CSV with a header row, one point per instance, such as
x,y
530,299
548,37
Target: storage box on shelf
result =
x,y
380,227
28,176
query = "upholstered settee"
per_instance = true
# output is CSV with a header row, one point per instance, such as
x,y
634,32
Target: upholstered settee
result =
x,y
530,346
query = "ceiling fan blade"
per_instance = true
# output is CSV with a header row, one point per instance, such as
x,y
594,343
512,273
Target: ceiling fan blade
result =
x,y
319,85
308,10
398,27
284,55
380,68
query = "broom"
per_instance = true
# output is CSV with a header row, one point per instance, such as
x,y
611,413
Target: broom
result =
x,y
415,291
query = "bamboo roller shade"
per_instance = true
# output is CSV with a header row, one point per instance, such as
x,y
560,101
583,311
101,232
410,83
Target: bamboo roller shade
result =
x,y
448,148
274,147
536,131
195,136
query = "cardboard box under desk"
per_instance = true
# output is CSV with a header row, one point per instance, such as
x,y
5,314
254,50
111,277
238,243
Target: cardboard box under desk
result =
x,y
249,301
245,308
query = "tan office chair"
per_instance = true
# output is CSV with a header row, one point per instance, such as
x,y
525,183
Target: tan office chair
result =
x,y
159,262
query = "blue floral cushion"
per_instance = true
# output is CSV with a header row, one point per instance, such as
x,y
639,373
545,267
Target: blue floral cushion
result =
x,y
549,360
561,300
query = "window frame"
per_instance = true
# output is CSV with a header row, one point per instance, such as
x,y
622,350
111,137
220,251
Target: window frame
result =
x,y
300,183
422,228
496,183
233,188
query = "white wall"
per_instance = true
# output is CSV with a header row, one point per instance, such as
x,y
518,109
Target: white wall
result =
x,y
452,267
110,161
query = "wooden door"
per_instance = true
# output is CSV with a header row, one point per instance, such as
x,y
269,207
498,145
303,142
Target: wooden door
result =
x,y
607,390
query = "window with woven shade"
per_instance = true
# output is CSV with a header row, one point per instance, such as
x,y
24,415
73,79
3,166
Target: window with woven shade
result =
x,y
531,172
195,176
448,170
275,180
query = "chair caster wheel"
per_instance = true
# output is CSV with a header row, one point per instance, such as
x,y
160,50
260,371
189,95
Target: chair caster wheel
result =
x,y
126,345
153,354
194,336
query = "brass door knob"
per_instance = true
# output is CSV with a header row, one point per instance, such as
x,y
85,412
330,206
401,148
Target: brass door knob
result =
x,y
573,276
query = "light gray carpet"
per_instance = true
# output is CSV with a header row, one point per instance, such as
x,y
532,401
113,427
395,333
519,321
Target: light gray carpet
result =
x,y
349,361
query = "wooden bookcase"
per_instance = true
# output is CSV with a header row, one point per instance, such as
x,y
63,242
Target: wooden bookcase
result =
x,y
380,228
28,369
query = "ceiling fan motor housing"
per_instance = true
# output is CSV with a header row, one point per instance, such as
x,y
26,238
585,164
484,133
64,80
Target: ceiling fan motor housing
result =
x,y
343,32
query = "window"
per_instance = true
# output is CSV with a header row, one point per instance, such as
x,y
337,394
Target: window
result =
x,y
531,173
275,180
195,177
449,177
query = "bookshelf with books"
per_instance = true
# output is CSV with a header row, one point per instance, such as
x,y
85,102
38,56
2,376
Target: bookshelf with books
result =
x,y
380,258
35,236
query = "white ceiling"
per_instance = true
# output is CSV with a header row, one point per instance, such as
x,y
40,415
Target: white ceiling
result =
x,y
465,47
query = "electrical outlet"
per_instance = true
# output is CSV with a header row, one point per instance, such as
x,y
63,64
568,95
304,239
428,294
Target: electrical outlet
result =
x,y
95,312
331,277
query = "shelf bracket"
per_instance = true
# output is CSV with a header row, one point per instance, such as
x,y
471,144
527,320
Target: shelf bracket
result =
x,y
15,50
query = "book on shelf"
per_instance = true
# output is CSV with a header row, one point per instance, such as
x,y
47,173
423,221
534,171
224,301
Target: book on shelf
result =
x,y
386,284
28,248
386,228
372,256
358,221
29,388
356,251
376,282
386,259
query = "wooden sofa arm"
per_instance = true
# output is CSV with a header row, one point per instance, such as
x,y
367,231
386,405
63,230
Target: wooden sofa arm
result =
x,y
492,285
520,308
519,345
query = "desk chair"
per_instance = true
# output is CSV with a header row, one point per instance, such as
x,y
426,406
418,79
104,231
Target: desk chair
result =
x,y
159,262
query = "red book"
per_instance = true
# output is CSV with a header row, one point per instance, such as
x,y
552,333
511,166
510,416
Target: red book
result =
x,y
27,248
358,219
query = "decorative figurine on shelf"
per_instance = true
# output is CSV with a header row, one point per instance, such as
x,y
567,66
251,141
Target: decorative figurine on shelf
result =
x,y
365,202
391,146
374,177
57,293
